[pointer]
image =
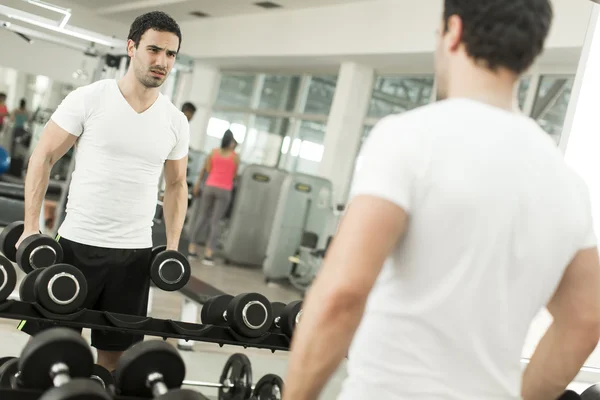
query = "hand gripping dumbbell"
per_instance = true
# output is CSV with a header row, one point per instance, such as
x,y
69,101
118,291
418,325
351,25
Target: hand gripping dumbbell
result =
x,y
61,288
170,270
248,314
35,251
152,369
8,278
59,362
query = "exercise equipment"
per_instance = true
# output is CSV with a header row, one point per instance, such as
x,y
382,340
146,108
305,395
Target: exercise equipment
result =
x,y
8,278
60,289
36,251
248,314
591,393
102,376
269,387
289,318
307,261
235,382
8,370
4,160
152,369
569,395
277,308
252,215
304,211
170,270
59,361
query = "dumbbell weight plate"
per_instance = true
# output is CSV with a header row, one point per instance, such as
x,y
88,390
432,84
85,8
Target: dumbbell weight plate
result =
x,y
38,251
269,387
289,317
216,308
4,360
27,287
77,389
277,308
591,393
204,310
102,376
250,314
181,394
569,395
157,250
238,372
170,270
8,278
8,239
50,347
143,359
61,289
7,371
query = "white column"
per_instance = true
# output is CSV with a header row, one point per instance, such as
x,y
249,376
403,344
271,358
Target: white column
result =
x,y
202,93
580,139
345,126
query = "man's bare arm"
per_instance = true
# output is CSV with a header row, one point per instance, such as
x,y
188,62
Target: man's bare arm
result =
x,y
175,200
573,334
334,305
53,144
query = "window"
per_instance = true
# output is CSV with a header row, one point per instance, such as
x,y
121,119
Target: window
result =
x,y
320,95
219,123
396,94
235,90
304,152
279,92
551,102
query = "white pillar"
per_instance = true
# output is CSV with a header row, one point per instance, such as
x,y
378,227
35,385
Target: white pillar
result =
x,y
345,126
202,93
580,139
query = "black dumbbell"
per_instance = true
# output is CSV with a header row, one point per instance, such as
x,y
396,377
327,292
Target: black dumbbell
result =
x,y
248,314
235,381
290,316
269,387
591,393
8,370
59,362
8,278
152,369
277,308
170,270
570,395
61,288
102,376
36,251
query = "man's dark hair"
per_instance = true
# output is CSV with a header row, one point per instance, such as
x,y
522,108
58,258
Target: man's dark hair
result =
x,y
228,138
188,107
156,20
502,33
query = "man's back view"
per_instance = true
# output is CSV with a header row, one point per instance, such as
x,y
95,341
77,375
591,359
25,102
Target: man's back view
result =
x,y
463,222
486,190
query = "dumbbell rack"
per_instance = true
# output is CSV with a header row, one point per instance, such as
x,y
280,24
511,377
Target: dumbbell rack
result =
x,y
102,320
23,394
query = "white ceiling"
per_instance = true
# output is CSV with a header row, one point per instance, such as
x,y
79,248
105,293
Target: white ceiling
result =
x,y
126,11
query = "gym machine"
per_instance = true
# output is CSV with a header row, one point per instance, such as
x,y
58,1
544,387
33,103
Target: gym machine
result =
x,y
58,364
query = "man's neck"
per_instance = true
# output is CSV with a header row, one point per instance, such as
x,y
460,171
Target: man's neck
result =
x,y
136,93
493,88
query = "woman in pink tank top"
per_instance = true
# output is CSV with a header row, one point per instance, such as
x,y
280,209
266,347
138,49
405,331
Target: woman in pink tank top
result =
x,y
221,165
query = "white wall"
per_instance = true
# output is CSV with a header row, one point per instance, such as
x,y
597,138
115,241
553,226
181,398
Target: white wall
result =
x,y
375,28
43,58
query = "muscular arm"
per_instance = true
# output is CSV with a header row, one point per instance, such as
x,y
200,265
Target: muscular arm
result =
x,y
335,303
573,334
175,200
53,144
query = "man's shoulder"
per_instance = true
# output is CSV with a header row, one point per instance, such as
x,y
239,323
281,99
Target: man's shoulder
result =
x,y
175,115
92,90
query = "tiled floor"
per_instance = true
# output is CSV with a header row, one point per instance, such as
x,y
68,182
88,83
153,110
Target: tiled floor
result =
x,y
206,360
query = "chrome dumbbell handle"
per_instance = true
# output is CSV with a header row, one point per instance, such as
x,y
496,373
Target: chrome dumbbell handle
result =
x,y
225,385
60,374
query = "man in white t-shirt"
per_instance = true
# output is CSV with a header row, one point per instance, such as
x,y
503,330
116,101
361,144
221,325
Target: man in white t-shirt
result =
x,y
125,132
463,223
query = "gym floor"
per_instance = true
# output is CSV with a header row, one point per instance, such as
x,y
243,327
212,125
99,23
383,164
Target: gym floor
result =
x,y
206,361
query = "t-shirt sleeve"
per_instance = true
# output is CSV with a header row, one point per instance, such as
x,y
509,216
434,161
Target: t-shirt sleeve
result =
x,y
182,146
71,113
389,162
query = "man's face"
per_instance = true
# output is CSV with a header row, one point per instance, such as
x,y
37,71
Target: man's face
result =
x,y
154,57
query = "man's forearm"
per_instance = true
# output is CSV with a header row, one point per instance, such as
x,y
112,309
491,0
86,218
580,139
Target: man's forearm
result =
x,y
321,341
556,361
174,210
36,184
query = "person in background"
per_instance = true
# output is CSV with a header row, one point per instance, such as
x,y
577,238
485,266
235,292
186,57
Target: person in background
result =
x,y
3,110
221,165
188,109
20,116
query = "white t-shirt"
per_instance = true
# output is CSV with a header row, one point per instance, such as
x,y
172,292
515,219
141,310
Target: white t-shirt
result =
x,y
495,216
119,159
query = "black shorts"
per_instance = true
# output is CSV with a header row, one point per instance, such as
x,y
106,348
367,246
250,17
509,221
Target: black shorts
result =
x,y
118,281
